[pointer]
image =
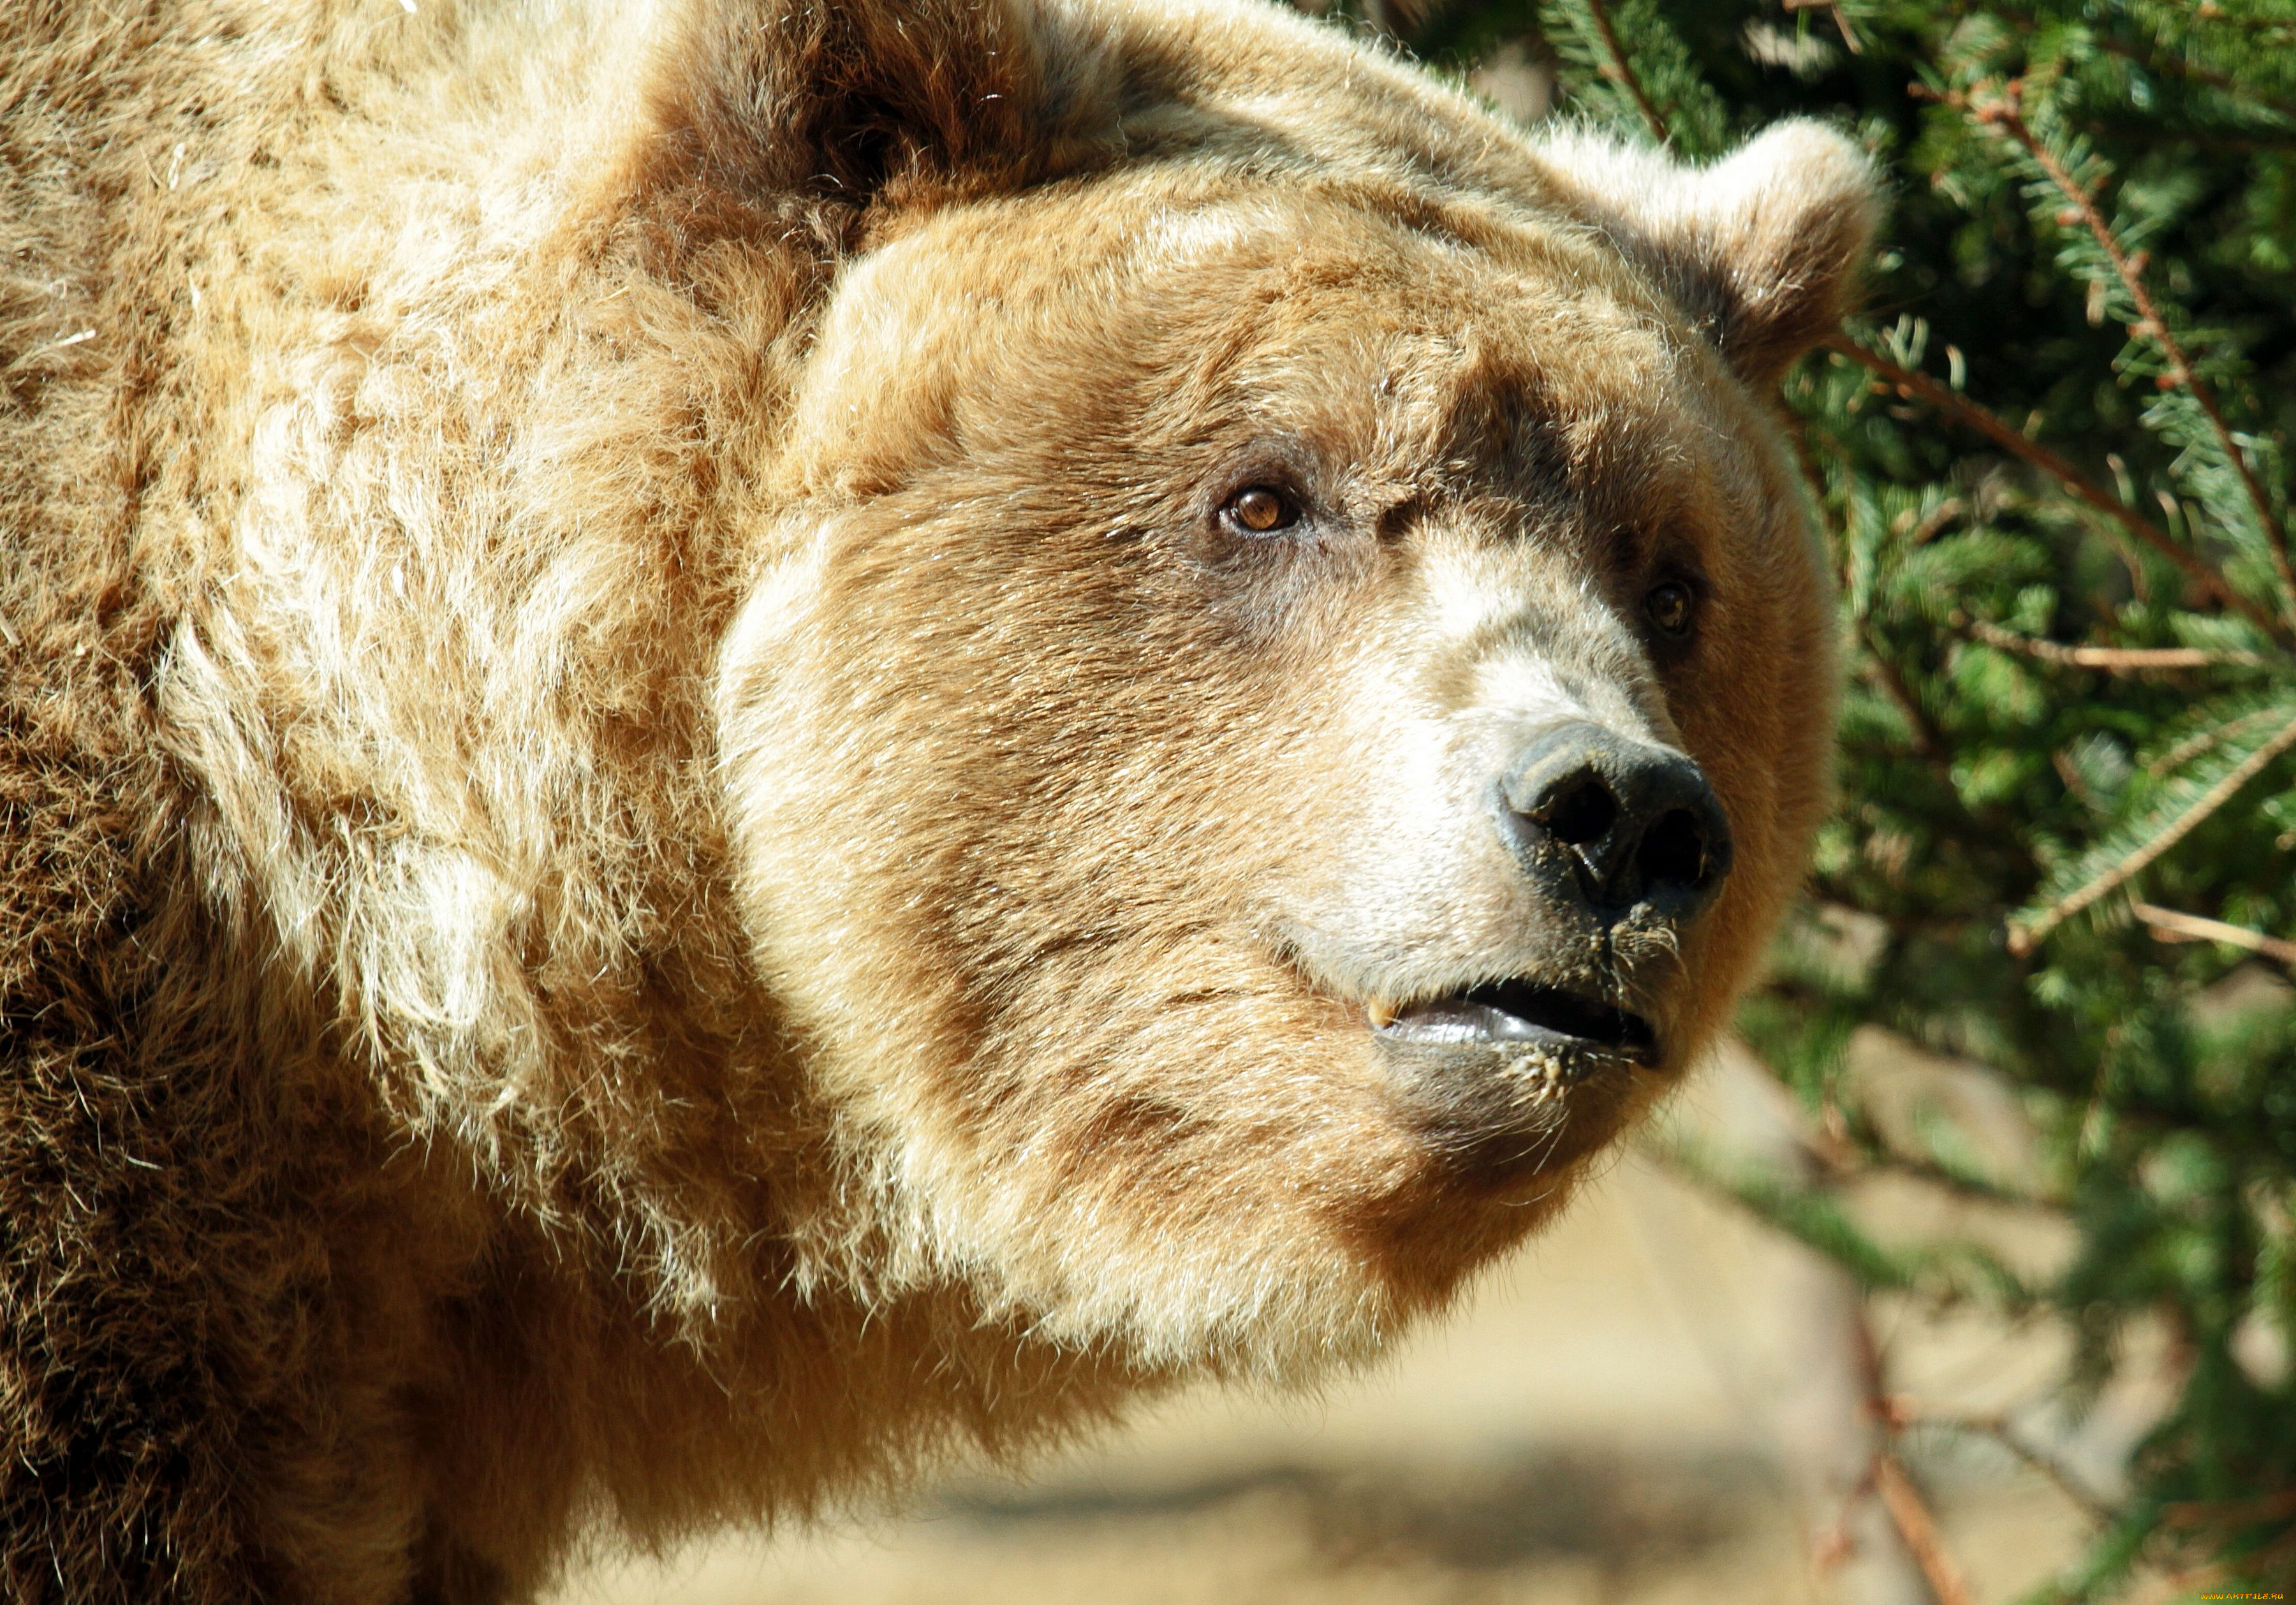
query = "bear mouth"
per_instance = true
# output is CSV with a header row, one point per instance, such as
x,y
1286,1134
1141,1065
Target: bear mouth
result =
x,y
1497,1013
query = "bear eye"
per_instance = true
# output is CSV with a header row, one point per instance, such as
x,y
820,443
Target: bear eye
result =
x,y
1670,606
1261,510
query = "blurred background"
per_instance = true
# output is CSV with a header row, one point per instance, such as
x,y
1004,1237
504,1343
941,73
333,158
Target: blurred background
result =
x,y
1967,1273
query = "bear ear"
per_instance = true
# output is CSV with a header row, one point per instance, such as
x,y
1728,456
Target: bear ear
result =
x,y
771,102
1763,248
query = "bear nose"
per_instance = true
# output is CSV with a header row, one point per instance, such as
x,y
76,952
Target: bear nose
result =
x,y
1637,824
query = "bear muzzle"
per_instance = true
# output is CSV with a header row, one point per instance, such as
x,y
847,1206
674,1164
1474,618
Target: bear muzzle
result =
x,y
1626,844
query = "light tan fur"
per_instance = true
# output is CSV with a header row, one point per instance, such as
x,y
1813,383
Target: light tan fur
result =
x,y
648,872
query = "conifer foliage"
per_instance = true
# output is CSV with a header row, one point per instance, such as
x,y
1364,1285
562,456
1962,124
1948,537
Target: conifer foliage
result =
x,y
2052,462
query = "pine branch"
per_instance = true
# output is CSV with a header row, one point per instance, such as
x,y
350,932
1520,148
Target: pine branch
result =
x,y
1928,745
2022,936
2151,325
2185,752
2173,67
2170,66
2209,10
1620,71
2113,659
1993,428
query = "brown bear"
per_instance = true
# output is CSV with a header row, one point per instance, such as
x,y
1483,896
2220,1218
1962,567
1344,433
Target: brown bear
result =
x,y
744,739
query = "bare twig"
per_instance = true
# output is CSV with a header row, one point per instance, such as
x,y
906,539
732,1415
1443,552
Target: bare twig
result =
x,y
1621,72
1974,1188
2022,937
1919,1529
2171,924
2151,325
2116,659
2230,1512
1998,1431
1868,1374
1944,513
2221,1517
2279,1549
1995,428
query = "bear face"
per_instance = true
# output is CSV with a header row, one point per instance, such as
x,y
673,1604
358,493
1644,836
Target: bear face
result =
x,y
1260,748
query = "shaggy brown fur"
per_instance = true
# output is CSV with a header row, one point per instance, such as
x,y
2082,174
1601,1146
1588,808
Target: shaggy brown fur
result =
x,y
657,853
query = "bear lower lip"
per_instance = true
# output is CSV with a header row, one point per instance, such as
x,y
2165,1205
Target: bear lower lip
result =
x,y
1524,1011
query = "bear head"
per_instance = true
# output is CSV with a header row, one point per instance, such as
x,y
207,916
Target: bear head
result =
x,y
1288,676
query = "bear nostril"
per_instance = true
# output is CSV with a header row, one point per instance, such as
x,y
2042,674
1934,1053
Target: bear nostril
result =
x,y
1614,824
1580,814
1673,850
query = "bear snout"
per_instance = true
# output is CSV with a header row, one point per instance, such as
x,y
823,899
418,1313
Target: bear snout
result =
x,y
1617,827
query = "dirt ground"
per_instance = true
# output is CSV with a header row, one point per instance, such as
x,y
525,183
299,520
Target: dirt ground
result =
x,y
1609,1421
